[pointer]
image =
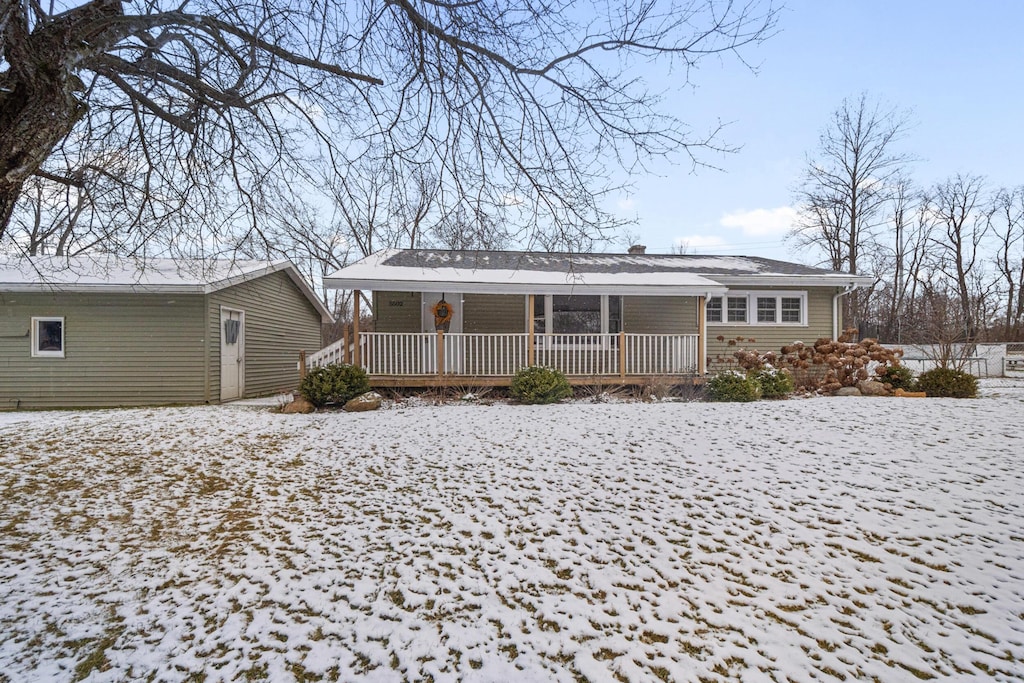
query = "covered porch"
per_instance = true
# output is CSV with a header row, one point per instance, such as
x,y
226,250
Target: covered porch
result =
x,y
477,318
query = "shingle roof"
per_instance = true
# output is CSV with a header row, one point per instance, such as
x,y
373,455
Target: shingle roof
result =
x,y
597,263
549,273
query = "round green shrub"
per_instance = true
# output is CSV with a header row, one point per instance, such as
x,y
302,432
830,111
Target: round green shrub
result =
x,y
732,387
898,377
539,385
948,383
774,383
335,383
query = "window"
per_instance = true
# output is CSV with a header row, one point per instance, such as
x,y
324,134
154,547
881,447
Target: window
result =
x,y
737,311
713,309
48,337
576,314
765,308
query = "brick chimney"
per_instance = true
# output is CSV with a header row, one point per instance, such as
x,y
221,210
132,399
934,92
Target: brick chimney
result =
x,y
638,249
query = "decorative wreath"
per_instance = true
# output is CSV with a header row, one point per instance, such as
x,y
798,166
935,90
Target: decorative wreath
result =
x,y
442,311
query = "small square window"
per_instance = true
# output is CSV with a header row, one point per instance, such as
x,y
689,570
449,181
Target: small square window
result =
x,y
765,309
737,309
48,337
713,310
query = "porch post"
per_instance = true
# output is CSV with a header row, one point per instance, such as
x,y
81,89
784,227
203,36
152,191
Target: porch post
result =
x,y
529,330
346,352
356,354
702,335
440,352
622,355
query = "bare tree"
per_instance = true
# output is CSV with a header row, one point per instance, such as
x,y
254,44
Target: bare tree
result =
x,y
1006,222
960,229
202,102
846,185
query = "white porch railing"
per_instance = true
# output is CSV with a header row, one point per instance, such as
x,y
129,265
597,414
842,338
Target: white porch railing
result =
x,y
501,355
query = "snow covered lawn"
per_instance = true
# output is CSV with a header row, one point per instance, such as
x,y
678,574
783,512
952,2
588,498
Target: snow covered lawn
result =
x,y
805,540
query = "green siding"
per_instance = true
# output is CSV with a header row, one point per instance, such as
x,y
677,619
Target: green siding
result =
x,y
773,337
120,349
279,323
397,311
494,313
659,315
150,349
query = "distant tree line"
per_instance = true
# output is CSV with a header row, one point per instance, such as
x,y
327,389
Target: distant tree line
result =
x,y
948,258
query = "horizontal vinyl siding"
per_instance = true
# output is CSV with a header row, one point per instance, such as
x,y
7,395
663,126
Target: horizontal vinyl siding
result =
x,y
279,323
494,313
659,315
397,311
765,338
120,349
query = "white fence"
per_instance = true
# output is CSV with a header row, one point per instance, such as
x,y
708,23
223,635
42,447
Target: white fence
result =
x,y
981,360
501,355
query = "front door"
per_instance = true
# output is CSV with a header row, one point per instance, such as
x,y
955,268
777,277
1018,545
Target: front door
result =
x,y
232,354
453,355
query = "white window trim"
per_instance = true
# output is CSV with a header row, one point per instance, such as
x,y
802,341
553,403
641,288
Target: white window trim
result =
x,y
36,352
752,296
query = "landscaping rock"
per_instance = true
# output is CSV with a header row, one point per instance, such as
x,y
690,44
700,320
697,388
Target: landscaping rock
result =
x,y
368,401
298,405
847,391
870,387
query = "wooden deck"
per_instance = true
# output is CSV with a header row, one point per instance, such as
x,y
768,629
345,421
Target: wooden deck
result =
x,y
426,381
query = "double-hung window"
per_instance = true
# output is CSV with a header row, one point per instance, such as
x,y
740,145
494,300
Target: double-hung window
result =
x,y
757,308
47,337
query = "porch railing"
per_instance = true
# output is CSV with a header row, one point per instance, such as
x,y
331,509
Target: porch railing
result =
x,y
501,355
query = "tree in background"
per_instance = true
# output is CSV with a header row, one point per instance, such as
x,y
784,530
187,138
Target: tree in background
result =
x,y
846,185
174,124
1006,223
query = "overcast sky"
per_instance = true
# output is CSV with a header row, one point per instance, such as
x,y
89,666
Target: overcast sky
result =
x,y
957,66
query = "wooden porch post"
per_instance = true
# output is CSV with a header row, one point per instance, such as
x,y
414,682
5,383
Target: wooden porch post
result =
x,y
529,329
440,352
302,365
702,334
356,354
346,352
622,355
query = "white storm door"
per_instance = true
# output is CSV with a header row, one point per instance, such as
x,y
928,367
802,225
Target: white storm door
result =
x,y
232,354
452,345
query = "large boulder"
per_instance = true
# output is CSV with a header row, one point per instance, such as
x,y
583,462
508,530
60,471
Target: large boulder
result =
x,y
368,401
870,387
298,405
847,391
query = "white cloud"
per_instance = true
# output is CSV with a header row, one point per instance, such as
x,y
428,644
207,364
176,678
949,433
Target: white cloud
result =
x,y
762,222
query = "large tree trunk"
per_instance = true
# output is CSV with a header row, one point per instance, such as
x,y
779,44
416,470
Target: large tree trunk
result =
x,y
39,104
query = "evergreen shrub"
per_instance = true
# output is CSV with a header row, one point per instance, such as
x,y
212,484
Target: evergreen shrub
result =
x,y
539,385
774,383
948,383
898,377
727,387
335,383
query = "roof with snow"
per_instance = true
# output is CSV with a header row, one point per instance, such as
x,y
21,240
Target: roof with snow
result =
x,y
113,274
553,273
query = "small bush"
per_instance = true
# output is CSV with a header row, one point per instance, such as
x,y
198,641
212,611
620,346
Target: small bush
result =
x,y
945,382
539,385
335,383
732,387
898,377
773,383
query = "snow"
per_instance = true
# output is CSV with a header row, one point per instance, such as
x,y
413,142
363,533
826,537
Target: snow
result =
x,y
98,272
802,540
